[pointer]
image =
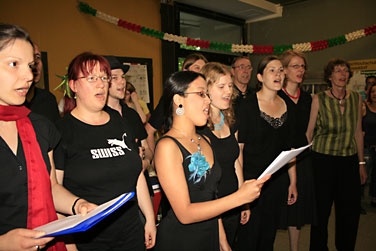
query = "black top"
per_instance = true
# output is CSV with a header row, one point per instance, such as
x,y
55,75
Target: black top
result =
x,y
13,174
101,162
134,121
241,98
264,138
44,103
369,125
200,236
262,142
226,151
158,118
304,210
301,111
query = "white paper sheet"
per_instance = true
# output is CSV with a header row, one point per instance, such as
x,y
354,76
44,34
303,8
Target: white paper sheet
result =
x,y
282,159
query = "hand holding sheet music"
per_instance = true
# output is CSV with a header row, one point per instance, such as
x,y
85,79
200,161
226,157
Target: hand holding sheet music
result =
x,y
79,223
282,159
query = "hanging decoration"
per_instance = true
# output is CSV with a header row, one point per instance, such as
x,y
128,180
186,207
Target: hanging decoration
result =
x,y
227,47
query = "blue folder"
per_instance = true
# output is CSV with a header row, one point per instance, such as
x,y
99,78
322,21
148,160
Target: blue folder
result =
x,y
79,223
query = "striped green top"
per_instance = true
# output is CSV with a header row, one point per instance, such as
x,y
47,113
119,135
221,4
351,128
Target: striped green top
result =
x,y
335,132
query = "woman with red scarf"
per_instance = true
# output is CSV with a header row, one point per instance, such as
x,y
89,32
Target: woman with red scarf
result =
x,y
29,192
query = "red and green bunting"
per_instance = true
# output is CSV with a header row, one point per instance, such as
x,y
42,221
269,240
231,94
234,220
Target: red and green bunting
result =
x,y
227,47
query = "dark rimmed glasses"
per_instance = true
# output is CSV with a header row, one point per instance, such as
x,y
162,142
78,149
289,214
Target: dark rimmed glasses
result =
x,y
298,66
202,94
243,67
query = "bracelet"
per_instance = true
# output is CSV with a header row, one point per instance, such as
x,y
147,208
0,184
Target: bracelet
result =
x,y
74,204
362,162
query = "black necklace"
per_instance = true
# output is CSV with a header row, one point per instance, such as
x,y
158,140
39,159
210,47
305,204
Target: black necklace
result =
x,y
342,100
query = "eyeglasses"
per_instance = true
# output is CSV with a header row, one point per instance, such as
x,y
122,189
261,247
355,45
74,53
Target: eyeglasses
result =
x,y
116,77
202,94
243,67
94,78
298,66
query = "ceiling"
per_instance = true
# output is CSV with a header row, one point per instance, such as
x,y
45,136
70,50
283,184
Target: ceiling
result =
x,y
249,10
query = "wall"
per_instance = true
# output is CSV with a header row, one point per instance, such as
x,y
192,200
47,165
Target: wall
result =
x,y
315,20
60,29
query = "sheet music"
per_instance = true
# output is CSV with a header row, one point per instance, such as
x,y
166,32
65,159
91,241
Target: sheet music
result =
x,y
282,159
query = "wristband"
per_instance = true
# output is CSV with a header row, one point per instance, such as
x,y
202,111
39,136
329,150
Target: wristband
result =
x,y
362,162
74,204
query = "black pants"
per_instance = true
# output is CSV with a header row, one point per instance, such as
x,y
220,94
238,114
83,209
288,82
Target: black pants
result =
x,y
337,181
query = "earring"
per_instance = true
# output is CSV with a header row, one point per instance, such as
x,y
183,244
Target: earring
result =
x,y
180,110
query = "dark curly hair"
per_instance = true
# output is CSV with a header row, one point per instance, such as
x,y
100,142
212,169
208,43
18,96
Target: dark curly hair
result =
x,y
329,68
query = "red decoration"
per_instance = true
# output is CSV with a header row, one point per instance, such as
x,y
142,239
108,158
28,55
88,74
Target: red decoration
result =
x,y
263,49
370,30
319,45
129,26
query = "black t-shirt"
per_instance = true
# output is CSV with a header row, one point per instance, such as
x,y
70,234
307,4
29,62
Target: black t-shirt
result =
x,y
133,119
158,117
13,174
44,103
100,162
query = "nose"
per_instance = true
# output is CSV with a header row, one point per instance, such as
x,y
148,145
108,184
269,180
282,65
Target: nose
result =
x,y
28,74
101,84
207,99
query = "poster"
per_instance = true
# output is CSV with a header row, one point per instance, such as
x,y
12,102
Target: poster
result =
x,y
138,76
361,69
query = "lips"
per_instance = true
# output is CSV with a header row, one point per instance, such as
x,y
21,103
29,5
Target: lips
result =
x,y
206,112
100,95
23,90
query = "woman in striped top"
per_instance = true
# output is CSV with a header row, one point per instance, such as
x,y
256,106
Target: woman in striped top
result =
x,y
338,162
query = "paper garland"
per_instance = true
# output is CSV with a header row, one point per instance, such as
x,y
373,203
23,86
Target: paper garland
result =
x,y
227,47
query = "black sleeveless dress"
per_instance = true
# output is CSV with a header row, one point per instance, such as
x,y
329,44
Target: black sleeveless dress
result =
x,y
200,236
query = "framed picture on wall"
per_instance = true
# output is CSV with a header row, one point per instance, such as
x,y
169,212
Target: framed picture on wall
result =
x,y
140,74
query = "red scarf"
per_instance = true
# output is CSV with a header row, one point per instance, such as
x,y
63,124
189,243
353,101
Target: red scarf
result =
x,y
41,209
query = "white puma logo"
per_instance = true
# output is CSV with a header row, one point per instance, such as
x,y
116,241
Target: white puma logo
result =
x,y
118,142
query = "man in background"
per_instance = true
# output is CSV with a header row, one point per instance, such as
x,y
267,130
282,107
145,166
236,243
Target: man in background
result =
x,y
38,100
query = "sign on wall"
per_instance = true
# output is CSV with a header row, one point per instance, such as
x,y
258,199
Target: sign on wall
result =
x,y
361,69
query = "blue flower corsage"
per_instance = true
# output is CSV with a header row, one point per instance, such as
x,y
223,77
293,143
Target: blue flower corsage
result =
x,y
198,167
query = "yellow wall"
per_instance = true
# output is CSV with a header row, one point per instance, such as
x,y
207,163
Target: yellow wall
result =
x,y
60,29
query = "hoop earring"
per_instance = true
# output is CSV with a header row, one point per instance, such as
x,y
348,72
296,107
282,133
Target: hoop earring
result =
x,y
180,110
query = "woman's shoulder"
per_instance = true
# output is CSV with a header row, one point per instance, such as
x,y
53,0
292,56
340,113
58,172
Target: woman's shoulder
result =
x,y
249,103
44,128
305,95
41,122
166,140
168,146
63,121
